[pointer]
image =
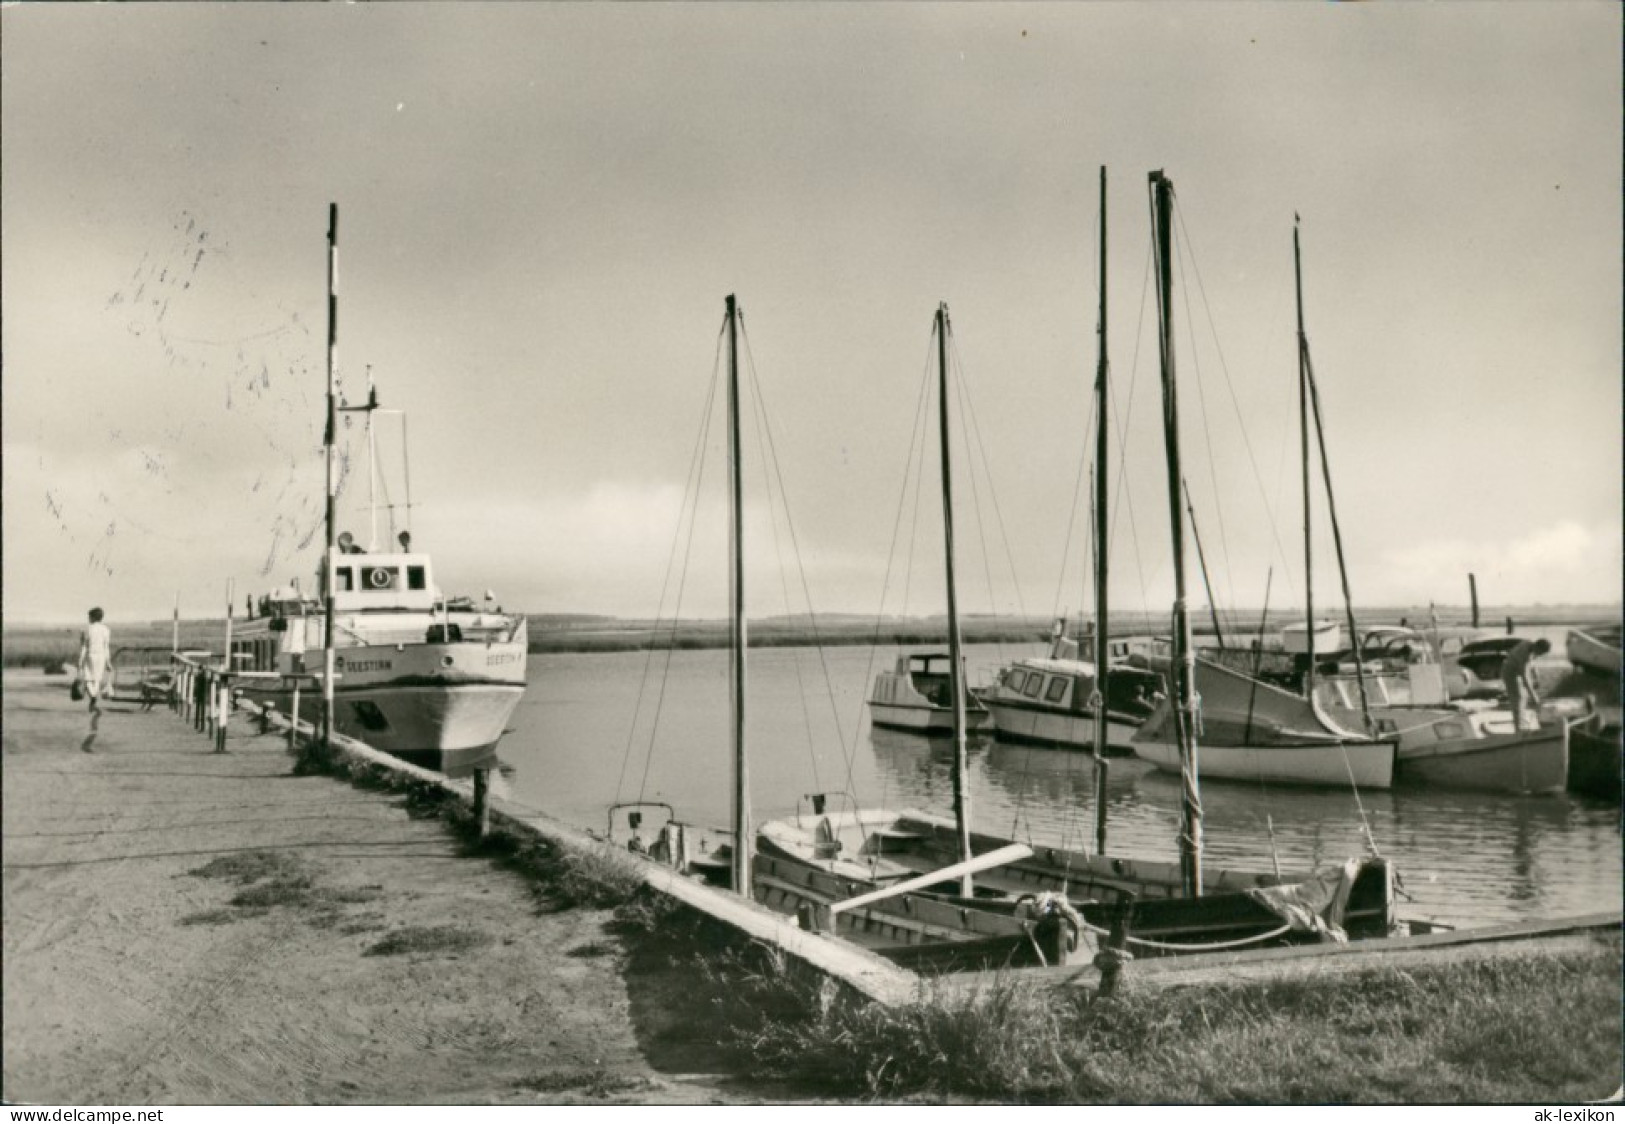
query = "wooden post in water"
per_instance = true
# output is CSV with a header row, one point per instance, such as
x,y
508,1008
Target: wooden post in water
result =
x,y
1472,594
482,802
175,626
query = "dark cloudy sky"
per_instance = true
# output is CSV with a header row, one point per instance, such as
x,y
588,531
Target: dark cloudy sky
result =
x,y
543,206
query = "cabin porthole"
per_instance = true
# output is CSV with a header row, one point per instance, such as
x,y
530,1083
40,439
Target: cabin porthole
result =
x,y
445,661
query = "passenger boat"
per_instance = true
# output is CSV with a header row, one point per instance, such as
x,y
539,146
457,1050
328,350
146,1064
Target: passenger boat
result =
x,y
1595,649
915,696
398,665
430,679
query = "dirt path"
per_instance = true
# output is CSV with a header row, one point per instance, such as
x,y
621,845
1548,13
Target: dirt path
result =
x,y
183,927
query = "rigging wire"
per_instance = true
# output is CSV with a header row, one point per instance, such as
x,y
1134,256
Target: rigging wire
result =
x,y
691,494
916,451
1188,254
764,441
1235,403
848,750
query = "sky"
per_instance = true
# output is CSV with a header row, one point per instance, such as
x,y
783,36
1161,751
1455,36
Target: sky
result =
x,y
543,207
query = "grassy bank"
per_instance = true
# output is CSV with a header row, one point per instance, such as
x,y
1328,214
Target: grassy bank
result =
x,y
1532,1029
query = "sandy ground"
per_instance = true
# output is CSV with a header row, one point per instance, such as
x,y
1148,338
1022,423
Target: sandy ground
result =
x,y
183,927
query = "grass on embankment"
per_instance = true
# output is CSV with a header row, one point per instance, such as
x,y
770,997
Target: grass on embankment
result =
x,y
1540,1027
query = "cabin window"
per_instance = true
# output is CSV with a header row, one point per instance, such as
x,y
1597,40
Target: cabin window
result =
x,y
379,577
1057,688
344,579
417,577
1018,679
1033,683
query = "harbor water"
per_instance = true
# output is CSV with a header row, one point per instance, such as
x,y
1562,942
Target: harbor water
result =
x,y
595,729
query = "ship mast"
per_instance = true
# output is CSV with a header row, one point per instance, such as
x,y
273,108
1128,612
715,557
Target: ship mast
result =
x,y
741,788
330,442
1183,666
956,669
1097,700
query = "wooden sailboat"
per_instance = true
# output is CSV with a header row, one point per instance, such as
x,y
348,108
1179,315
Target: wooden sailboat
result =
x,y
1253,731
867,873
1172,907
1437,744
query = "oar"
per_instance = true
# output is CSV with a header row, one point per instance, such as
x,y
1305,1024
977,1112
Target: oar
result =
x,y
1014,852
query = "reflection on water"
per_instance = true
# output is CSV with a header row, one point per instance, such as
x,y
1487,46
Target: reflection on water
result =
x,y
1468,857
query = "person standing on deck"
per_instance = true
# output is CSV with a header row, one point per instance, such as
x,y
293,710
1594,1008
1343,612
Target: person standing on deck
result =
x,y
1518,677
95,654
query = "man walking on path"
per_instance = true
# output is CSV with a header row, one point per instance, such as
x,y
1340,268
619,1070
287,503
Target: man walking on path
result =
x,y
1517,676
95,653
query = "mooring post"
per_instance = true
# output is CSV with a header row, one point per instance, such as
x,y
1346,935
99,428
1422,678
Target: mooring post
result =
x,y
225,715
293,718
482,802
1110,960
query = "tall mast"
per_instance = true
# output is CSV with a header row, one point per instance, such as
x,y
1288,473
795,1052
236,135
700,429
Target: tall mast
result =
x,y
736,542
1097,698
372,469
956,670
331,442
1184,661
1303,443
1331,498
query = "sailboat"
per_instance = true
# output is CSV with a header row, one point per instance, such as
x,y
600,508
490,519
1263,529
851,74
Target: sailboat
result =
x,y
829,861
1435,742
1253,731
834,870
430,679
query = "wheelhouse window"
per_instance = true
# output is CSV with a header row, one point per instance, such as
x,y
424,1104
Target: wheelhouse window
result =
x,y
1034,682
344,579
417,578
1018,680
380,577
1057,688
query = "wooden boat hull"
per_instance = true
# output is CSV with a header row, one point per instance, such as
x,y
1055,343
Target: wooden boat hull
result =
x,y
923,718
1335,764
1530,761
1595,760
1594,653
865,849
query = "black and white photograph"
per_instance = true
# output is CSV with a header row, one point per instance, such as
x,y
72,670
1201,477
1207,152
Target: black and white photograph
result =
x,y
924,554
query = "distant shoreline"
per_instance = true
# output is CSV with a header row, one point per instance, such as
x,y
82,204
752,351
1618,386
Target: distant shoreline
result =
x,y
40,645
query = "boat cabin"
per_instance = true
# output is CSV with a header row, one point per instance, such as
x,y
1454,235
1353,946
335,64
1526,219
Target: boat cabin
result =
x,y
382,581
